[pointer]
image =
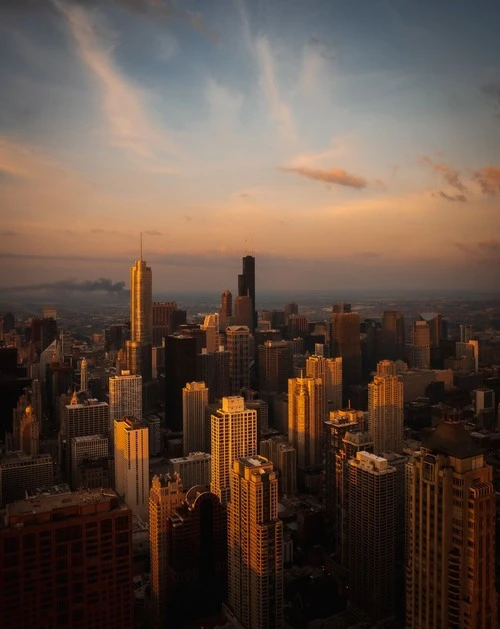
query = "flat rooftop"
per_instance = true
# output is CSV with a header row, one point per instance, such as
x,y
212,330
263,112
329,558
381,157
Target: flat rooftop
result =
x,y
51,502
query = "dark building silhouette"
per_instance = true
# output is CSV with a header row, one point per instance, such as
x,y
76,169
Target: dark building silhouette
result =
x,y
166,318
213,370
196,555
180,367
346,342
9,322
226,309
393,335
49,332
66,561
291,309
246,285
275,366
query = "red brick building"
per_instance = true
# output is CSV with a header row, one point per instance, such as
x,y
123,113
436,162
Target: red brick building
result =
x,y
66,561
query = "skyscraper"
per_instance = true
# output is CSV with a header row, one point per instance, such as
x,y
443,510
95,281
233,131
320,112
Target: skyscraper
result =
x,y
246,285
385,409
226,309
80,420
238,346
166,494
166,318
393,335
125,396
243,311
84,375
305,419
420,349
450,524
78,570
194,402
141,317
330,372
255,545
195,555
132,464
334,430
371,537
26,427
275,365
233,435
346,343
180,367
21,472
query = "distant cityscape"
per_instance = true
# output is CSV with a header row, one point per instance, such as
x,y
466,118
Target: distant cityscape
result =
x,y
245,461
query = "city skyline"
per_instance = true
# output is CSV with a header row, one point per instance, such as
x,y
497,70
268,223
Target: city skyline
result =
x,y
348,146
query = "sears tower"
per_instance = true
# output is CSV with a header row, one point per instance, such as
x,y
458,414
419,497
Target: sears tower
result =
x,y
246,285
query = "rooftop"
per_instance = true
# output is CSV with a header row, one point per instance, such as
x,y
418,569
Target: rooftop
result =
x,y
453,439
51,502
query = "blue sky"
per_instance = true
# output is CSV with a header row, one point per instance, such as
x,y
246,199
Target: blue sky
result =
x,y
352,144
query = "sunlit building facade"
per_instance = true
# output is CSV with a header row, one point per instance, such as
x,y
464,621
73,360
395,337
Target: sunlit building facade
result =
x,y
305,419
255,545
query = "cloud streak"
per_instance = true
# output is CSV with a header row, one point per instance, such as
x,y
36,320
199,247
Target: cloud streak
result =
x,y
336,176
488,178
461,198
280,111
260,50
482,251
451,175
129,123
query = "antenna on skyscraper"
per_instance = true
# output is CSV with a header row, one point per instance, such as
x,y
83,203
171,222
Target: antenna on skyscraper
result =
x,y
246,250
141,246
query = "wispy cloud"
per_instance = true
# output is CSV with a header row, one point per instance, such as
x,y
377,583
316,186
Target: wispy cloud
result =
x,y
451,175
280,111
7,233
488,178
153,232
130,124
451,197
482,251
260,50
336,176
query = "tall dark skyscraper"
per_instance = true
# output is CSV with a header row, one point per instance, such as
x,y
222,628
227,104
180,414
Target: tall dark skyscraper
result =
x,y
246,284
180,367
393,335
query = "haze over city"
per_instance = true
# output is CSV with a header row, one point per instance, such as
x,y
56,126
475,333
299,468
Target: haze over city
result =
x,y
348,144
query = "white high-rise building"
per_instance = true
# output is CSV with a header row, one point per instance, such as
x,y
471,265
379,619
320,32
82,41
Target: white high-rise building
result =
x,y
194,403
125,396
385,409
233,435
330,372
255,546
132,464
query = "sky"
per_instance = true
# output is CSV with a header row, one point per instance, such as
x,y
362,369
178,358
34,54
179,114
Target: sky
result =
x,y
347,144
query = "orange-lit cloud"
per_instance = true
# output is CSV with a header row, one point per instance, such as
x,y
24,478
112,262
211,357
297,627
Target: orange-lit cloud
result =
x,y
489,179
336,176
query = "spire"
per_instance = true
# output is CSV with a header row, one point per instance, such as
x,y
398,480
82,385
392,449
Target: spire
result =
x,y
74,398
141,248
